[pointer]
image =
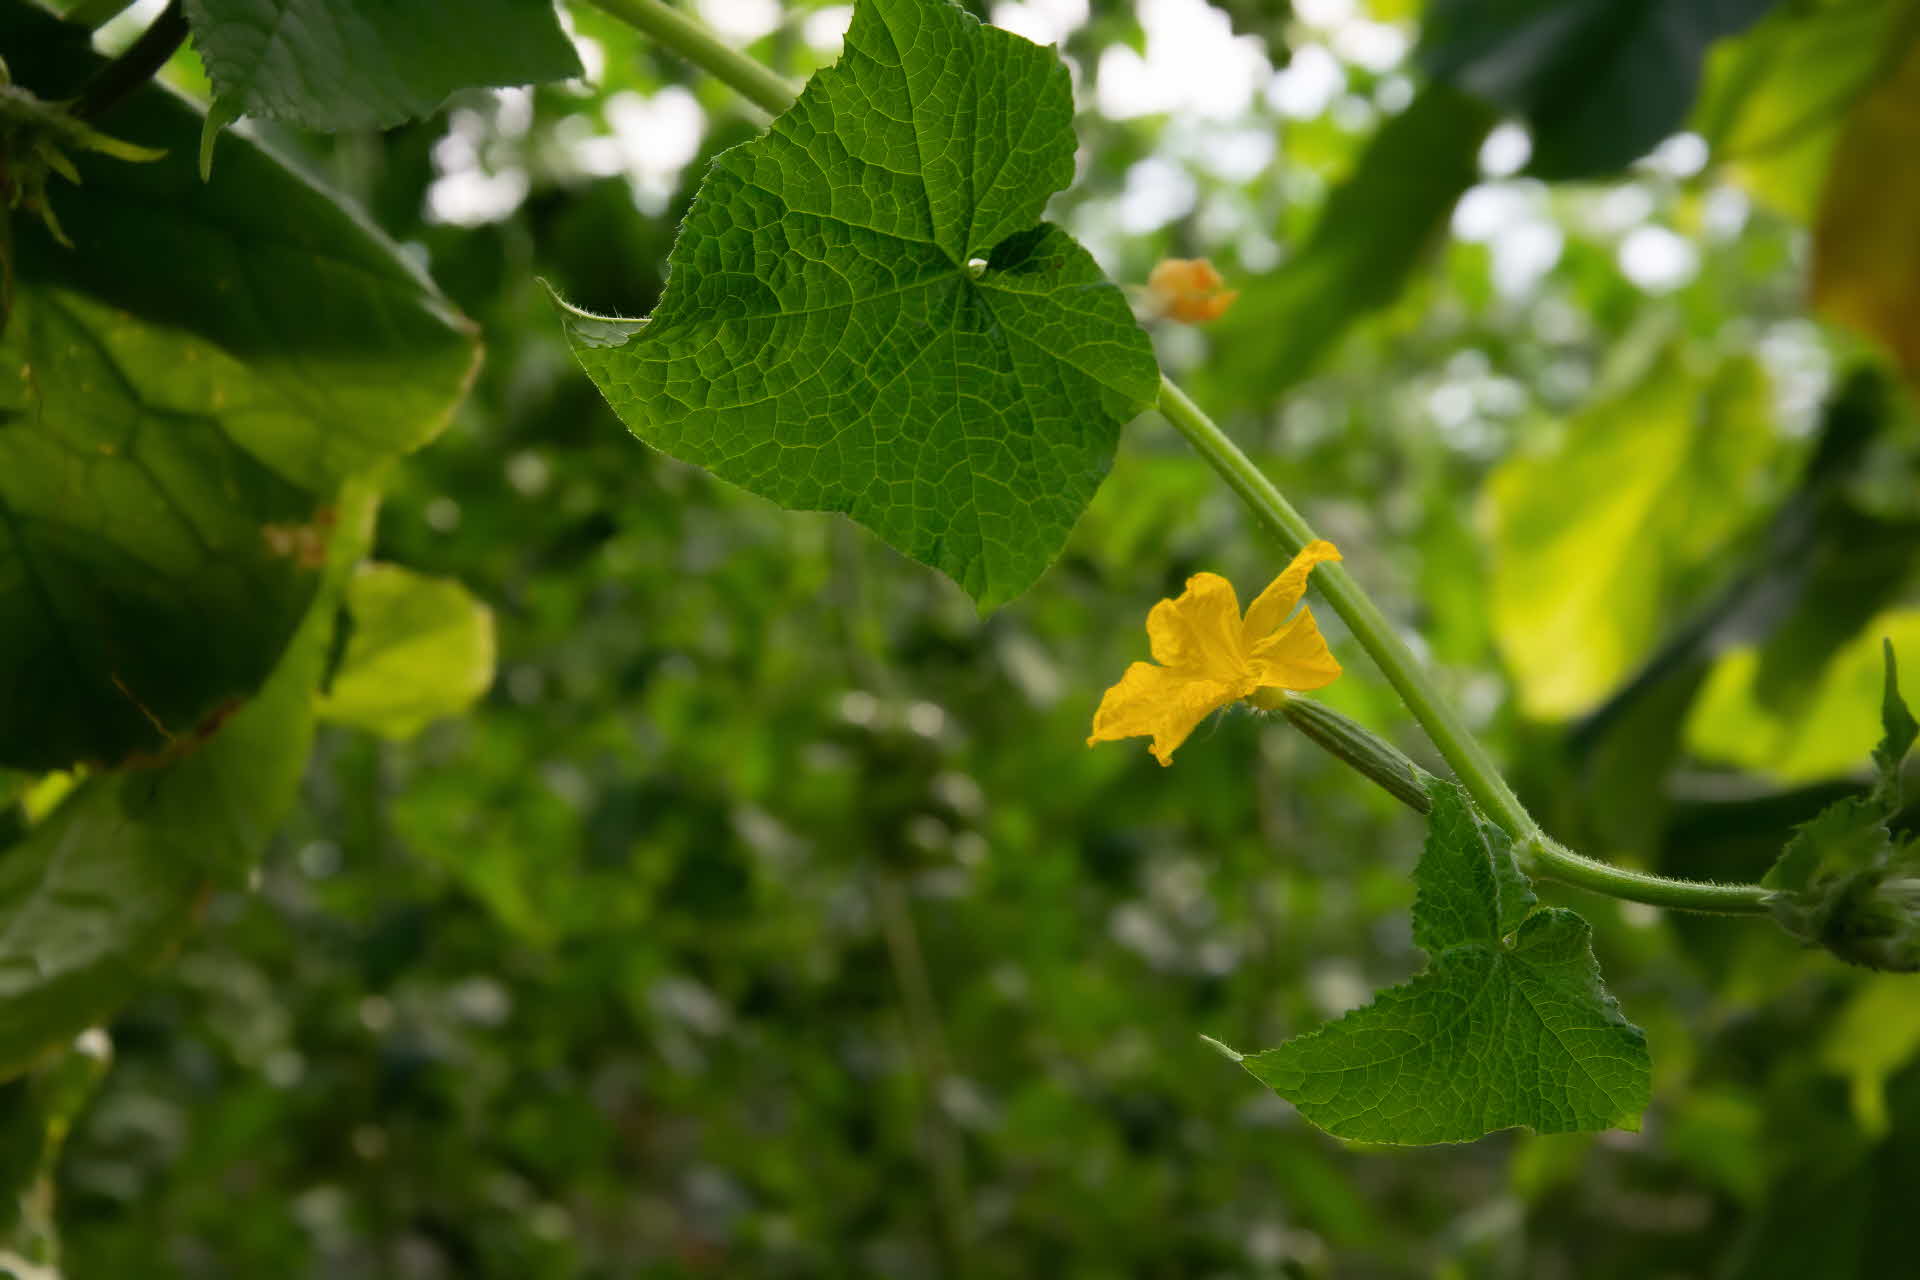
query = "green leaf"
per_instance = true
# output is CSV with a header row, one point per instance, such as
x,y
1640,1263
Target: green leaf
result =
x,y
371,64
113,878
1599,82
181,396
1509,1026
1899,731
420,648
1776,97
36,1116
1866,274
823,342
1819,733
1846,837
1668,471
1875,1035
1376,228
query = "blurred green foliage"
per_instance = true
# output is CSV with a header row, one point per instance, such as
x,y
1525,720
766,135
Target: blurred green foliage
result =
x,y
769,917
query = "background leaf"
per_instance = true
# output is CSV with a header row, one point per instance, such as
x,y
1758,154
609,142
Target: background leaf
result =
x,y
1668,470
1821,731
112,879
1376,229
181,395
371,64
1776,97
1866,263
1599,82
418,648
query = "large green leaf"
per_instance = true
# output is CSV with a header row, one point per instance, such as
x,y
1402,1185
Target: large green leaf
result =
x,y
1509,1026
824,342
1667,471
112,879
371,64
420,648
1376,228
181,395
1599,82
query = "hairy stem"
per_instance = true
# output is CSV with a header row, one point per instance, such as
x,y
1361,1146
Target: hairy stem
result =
x,y
1548,860
1461,750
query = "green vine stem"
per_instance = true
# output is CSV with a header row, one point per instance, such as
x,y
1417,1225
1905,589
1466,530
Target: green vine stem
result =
x,y
1369,626
1469,760
139,64
689,38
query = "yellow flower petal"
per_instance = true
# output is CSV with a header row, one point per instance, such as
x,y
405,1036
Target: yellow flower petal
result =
x,y
1200,630
1162,702
1295,657
1188,290
1210,656
1266,614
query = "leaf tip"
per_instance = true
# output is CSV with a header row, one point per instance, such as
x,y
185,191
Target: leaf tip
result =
x,y
587,329
1225,1051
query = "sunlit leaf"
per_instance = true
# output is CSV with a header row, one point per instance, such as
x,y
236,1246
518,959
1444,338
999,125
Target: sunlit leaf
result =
x,y
1825,731
1775,97
419,648
1666,471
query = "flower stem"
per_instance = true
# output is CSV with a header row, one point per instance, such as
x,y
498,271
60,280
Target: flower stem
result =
x,y
1470,762
1370,627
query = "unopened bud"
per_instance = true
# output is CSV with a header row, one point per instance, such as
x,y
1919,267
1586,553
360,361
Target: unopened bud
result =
x,y
1870,918
1356,747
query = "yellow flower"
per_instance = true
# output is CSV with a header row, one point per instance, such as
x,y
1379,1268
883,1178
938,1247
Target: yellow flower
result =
x,y
1188,290
1210,656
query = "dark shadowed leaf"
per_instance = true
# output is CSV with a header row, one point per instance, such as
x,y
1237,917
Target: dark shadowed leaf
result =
x,y
181,395
371,64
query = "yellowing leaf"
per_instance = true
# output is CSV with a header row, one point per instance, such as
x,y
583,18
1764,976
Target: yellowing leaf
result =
x,y
421,648
1866,255
1595,540
1819,734
1777,96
